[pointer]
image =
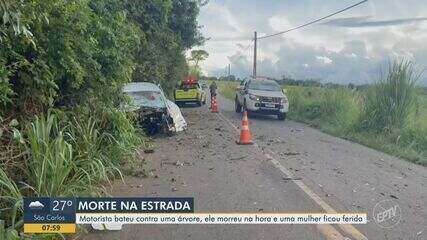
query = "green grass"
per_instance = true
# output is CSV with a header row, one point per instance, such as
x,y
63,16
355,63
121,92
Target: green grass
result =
x,y
322,106
421,110
228,89
389,103
390,116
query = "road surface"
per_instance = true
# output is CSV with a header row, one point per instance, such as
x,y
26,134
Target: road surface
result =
x,y
291,168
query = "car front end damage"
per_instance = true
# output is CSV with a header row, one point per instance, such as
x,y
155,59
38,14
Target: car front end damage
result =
x,y
155,120
155,113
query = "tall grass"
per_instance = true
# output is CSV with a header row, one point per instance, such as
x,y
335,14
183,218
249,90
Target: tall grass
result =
x,y
11,200
66,154
389,102
50,157
93,165
121,135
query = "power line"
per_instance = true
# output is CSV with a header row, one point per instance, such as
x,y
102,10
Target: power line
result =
x,y
314,21
243,50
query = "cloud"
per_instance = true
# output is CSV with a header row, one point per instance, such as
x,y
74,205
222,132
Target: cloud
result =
x,y
36,205
323,59
356,22
352,48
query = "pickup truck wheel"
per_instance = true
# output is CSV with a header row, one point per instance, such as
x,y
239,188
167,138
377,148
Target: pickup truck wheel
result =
x,y
237,106
281,116
199,103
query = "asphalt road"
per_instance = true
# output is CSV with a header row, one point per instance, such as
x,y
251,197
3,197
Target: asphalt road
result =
x,y
291,168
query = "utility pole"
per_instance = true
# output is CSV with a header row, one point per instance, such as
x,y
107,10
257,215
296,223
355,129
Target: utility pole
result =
x,y
255,53
229,71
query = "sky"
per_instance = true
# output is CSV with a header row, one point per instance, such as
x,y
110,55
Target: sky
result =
x,y
354,46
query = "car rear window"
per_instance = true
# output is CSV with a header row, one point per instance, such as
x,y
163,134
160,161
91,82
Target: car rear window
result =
x,y
189,86
264,86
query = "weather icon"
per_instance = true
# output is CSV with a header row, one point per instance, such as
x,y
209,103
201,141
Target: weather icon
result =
x,y
36,205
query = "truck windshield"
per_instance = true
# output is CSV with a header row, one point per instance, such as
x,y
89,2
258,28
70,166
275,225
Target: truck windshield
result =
x,y
147,99
264,86
189,86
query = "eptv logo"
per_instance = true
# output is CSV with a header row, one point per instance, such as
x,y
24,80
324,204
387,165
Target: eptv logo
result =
x,y
387,213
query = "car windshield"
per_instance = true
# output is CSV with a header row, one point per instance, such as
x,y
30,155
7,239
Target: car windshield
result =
x,y
264,86
147,99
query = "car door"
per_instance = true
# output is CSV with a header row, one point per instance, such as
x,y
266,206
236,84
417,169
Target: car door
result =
x,y
241,91
202,92
244,91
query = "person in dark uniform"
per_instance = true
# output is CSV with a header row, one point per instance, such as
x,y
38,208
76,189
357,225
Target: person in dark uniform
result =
x,y
213,88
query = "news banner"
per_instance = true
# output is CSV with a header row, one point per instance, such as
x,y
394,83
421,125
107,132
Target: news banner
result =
x,y
61,215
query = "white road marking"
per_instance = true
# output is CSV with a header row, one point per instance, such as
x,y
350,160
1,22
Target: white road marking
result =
x,y
329,232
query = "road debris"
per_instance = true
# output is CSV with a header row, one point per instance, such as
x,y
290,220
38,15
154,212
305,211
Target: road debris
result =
x,y
149,150
393,196
238,158
291,179
289,153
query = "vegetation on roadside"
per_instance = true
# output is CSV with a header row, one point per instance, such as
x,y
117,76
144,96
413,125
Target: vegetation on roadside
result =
x,y
390,115
227,89
386,116
62,67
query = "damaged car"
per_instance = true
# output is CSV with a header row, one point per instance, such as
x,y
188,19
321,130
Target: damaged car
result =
x,y
156,114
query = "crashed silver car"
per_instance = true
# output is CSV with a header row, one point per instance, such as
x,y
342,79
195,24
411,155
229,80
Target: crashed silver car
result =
x,y
156,114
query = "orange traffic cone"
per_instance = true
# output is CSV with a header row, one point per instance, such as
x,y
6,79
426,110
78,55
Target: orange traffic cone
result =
x,y
214,105
245,133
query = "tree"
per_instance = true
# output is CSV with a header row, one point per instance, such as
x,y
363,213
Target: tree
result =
x,y
60,53
168,28
10,11
197,56
183,21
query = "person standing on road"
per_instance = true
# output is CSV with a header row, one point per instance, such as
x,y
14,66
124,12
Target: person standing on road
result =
x,y
212,89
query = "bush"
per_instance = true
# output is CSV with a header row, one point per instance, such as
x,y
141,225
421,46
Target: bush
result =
x,y
76,56
5,87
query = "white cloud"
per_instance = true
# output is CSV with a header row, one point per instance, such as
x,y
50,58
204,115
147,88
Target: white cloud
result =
x,y
36,205
325,60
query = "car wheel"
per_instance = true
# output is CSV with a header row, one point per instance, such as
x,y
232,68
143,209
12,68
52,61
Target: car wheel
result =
x,y
281,116
237,106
